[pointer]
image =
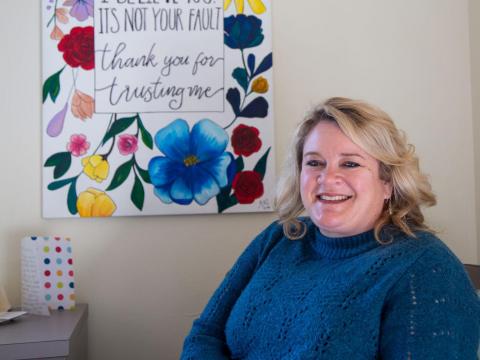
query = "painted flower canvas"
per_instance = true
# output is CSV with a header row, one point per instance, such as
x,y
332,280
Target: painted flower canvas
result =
x,y
152,110
195,163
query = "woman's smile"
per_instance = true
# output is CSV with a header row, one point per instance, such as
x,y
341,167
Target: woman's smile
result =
x,y
332,199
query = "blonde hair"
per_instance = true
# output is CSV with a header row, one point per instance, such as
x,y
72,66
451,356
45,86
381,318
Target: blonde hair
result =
x,y
374,131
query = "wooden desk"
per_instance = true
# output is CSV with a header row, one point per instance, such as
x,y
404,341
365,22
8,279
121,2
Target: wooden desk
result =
x,y
474,272
60,336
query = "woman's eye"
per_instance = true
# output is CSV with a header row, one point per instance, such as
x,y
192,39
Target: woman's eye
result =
x,y
314,163
350,164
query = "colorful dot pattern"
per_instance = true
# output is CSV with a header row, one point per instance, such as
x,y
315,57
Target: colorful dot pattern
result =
x,y
57,268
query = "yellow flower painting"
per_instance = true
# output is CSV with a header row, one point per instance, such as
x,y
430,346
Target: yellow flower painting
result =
x,y
95,167
95,203
257,6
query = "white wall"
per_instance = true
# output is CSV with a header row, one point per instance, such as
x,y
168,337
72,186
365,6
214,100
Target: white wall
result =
x,y
146,278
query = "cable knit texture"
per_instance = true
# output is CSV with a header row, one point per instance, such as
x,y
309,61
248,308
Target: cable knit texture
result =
x,y
340,298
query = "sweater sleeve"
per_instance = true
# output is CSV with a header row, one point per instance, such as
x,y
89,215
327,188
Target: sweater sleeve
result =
x,y
432,312
206,339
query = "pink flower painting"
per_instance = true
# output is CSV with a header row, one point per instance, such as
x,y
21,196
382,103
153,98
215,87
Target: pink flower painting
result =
x,y
127,144
78,144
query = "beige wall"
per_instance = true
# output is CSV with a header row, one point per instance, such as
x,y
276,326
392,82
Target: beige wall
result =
x,y
474,12
146,278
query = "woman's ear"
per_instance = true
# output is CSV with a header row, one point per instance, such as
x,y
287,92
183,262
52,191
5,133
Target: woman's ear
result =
x,y
388,190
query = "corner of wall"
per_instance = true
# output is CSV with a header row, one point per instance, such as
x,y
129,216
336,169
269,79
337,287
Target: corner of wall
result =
x,y
474,31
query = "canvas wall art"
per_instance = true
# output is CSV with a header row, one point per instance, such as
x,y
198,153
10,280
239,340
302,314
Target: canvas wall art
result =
x,y
157,107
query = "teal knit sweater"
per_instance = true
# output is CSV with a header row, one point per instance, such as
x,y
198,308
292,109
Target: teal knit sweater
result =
x,y
340,298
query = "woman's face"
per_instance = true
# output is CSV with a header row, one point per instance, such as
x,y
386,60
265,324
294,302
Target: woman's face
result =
x,y
339,183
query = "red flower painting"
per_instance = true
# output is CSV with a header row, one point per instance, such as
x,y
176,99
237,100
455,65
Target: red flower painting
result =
x,y
247,186
78,47
245,140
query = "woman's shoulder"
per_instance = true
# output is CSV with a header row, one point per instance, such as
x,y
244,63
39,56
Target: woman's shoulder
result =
x,y
274,231
426,246
266,240
431,260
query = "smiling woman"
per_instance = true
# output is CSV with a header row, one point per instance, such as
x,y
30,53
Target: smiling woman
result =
x,y
355,128
340,183
363,276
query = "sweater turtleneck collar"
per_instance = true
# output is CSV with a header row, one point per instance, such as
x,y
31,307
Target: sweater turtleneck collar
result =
x,y
344,247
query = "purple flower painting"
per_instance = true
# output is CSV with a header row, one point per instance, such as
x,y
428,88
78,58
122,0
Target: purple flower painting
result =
x,y
81,9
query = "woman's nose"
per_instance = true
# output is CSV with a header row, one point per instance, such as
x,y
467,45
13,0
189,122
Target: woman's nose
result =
x,y
328,175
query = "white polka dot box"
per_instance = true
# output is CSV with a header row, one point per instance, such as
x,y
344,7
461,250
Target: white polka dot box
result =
x,y
47,274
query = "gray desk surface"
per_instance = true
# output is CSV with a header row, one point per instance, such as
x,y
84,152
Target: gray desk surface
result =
x,y
34,334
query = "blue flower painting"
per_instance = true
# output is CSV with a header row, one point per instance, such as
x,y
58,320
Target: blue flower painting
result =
x,y
195,163
242,32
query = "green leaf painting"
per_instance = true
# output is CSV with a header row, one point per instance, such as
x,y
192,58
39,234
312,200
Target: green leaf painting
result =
x,y
261,165
51,86
146,136
121,174
72,198
138,193
61,163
